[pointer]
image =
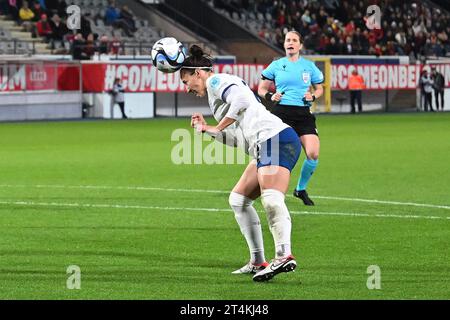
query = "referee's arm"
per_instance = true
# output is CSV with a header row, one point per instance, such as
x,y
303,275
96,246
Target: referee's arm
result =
x,y
263,90
318,90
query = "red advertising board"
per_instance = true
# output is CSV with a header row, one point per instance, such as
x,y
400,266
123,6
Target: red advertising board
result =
x,y
99,77
382,77
41,76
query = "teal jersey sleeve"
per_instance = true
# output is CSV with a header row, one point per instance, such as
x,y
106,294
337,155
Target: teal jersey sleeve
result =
x,y
269,72
316,74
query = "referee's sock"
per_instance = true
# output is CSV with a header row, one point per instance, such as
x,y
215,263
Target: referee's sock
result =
x,y
308,168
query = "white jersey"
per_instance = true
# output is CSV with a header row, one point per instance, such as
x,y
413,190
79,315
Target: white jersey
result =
x,y
254,123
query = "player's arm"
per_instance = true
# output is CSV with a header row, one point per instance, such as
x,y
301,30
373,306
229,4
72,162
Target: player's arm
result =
x,y
214,130
197,118
198,122
238,100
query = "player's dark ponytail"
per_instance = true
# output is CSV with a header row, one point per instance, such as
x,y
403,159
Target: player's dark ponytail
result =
x,y
196,52
196,59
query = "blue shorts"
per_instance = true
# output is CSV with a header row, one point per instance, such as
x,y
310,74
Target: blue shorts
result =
x,y
281,150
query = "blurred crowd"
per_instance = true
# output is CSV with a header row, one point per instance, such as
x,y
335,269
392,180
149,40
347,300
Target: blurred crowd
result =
x,y
47,19
339,26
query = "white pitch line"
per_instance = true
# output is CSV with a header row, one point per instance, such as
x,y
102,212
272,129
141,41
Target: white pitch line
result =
x,y
385,202
369,215
42,186
223,192
108,206
113,206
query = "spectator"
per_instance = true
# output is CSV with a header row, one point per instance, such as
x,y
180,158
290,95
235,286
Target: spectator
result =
x,y
264,33
128,18
115,46
400,37
78,45
350,27
85,26
59,29
439,86
42,3
349,49
26,16
37,10
13,9
390,49
111,14
281,19
118,97
312,41
89,46
113,18
43,28
322,18
356,85
103,44
25,13
306,17
332,47
426,86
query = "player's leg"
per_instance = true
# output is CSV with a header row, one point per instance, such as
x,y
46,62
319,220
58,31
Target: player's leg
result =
x,y
241,201
273,180
273,188
311,145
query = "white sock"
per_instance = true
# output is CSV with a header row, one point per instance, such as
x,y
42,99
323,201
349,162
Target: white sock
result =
x,y
248,221
279,221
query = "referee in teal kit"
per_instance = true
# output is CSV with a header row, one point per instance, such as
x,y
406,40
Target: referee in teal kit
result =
x,y
293,76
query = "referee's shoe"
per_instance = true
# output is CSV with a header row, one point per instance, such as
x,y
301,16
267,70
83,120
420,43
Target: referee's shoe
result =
x,y
302,194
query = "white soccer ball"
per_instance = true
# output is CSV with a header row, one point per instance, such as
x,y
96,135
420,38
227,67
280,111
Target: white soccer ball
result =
x,y
168,54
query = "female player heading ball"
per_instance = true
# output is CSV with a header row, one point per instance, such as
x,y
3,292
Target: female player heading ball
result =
x,y
293,75
273,145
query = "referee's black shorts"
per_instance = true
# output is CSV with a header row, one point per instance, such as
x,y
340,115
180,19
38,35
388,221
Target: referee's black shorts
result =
x,y
299,118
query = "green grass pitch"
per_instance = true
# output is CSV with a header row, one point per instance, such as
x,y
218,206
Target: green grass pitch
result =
x,y
105,196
